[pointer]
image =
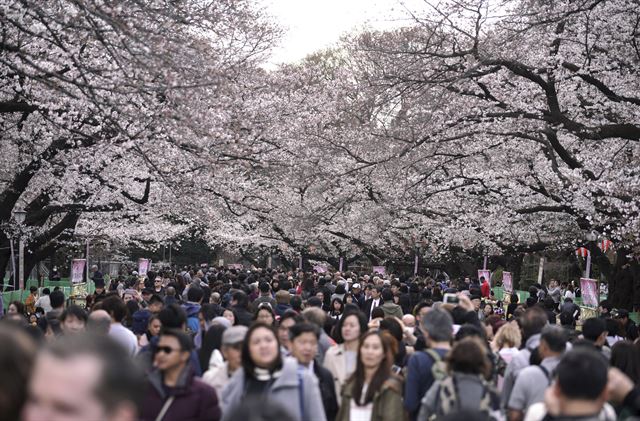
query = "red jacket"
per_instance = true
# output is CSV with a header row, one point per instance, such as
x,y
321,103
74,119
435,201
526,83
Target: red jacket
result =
x,y
485,289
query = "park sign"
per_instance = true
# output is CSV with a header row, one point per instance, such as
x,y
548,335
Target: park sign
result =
x,y
590,292
486,273
143,266
320,268
77,270
507,282
380,270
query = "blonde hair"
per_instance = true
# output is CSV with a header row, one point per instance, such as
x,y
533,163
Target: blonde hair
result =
x,y
508,335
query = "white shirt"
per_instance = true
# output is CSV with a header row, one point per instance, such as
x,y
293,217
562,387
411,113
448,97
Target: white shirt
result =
x,y
360,413
125,337
44,302
375,303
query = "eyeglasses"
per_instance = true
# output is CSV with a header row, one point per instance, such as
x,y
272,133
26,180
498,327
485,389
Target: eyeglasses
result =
x,y
165,349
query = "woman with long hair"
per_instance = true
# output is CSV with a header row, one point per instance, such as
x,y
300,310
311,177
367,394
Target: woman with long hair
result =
x,y
373,392
337,308
266,375
265,314
341,360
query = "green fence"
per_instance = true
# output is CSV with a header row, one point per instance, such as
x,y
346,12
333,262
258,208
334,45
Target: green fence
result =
x,y
22,294
522,296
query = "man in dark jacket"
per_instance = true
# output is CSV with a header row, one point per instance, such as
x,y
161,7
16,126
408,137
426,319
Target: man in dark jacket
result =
x,y
265,297
239,304
174,393
304,348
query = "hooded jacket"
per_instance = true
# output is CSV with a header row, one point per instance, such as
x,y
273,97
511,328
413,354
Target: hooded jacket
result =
x,y
286,390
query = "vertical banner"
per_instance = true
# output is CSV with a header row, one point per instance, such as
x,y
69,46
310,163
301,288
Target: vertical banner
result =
x,y
541,270
484,273
77,270
484,263
381,270
143,266
507,282
300,262
590,292
341,264
415,265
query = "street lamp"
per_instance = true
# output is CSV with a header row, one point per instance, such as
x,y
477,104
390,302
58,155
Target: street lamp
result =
x,y
20,215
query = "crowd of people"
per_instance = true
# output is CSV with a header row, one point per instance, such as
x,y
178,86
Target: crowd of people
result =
x,y
266,344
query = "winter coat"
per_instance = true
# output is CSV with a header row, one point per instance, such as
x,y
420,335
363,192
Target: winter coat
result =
x,y
192,310
392,309
335,360
285,391
327,390
387,402
194,400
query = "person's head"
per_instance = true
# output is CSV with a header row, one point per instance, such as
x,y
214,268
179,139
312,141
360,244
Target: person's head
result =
x,y
508,336
264,314
173,350
581,378
15,307
16,359
46,291
421,309
409,321
594,330
487,309
532,322
84,377
230,315
261,349
264,288
116,308
239,299
315,315
469,356
337,306
195,294
437,326
376,352
303,339
232,341
514,298
350,327
625,356
283,297
33,290
376,292
56,299
287,320
623,317
155,304
553,341
605,307
73,320
154,326
173,317
99,322
387,295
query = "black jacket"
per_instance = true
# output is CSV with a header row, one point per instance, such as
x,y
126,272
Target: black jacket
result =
x,y
327,391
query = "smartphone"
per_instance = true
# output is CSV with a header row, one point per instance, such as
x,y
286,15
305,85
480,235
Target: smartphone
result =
x,y
451,299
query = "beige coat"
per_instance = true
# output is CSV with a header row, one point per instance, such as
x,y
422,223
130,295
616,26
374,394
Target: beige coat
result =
x,y
335,361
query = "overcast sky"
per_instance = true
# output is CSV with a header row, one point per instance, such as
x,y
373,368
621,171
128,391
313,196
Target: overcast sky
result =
x,y
312,25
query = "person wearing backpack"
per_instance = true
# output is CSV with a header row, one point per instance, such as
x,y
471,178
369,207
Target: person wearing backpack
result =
x,y
465,387
425,367
532,381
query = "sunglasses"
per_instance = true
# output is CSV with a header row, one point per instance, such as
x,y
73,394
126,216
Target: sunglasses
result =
x,y
165,349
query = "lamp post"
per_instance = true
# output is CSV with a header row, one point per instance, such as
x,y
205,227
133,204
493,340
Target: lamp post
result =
x,y
20,215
